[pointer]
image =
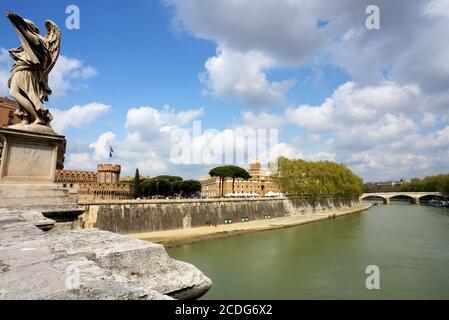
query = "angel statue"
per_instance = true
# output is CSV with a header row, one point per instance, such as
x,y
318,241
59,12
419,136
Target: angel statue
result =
x,y
34,60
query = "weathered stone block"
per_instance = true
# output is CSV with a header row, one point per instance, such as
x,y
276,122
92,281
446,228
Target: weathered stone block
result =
x,y
88,264
27,174
28,157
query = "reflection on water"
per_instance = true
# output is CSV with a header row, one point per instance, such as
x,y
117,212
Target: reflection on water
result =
x,y
327,260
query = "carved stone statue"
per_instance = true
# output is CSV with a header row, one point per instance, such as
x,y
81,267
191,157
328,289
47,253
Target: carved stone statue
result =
x,y
34,60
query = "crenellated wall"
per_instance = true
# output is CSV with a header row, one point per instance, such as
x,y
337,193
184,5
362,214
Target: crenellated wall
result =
x,y
137,216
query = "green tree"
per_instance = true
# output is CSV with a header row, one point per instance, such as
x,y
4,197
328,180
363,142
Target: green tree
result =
x,y
190,188
164,188
169,178
137,189
169,186
316,181
220,172
237,173
233,172
439,183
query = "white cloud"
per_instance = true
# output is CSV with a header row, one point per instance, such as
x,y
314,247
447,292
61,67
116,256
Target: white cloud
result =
x,y
232,74
148,119
66,71
5,67
147,144
376,129
78,116
351,105
410,47
387,121
283,29
438,8
102,146
428,119
322,156
262,120
96,153
64,76
80,161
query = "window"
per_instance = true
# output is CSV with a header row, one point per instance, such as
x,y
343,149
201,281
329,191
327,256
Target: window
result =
x,y
10,117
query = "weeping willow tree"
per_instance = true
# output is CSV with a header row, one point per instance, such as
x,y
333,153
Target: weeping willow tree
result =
x,y
316,181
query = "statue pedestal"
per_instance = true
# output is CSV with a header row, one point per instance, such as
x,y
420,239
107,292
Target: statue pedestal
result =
x,y
27,175
28,157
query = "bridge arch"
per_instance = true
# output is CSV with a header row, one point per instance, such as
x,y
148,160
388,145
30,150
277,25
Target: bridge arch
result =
x,y
411,198
414,197
429,197
375,197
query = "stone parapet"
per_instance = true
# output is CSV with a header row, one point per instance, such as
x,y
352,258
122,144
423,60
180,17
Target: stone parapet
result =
x,y
88,265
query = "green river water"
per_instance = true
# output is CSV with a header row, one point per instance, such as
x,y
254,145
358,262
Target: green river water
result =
x,y
327,260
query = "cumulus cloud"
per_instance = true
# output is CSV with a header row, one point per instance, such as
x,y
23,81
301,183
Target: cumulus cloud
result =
x,y
102,146
78,116
262,120
95,153
351,105
66,71
232,74
298,33
151,136
80,161
409,52
375,129
64,76
283,29
388,121
149,120
146,144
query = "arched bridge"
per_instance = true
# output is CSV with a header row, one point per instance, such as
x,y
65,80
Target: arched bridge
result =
x,y
414,197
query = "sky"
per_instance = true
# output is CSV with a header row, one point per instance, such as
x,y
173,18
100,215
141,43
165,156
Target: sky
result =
x,y
138,74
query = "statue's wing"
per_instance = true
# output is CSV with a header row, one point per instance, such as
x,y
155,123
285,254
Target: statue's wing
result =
x,y
53,44
22,30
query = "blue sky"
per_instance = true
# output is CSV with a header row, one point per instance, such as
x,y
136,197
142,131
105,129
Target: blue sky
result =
x,y
139,70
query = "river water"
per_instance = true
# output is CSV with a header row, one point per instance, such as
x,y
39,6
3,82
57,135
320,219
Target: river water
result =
x,y
328,259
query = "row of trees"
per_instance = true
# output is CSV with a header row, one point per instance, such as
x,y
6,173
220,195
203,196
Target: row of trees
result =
x,y
314,181
165,186
297,178
439,183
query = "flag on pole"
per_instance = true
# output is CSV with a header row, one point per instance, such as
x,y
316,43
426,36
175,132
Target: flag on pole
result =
x,y
111,151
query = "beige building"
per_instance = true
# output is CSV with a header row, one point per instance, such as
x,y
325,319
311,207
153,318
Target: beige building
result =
x,y
101,185
260,183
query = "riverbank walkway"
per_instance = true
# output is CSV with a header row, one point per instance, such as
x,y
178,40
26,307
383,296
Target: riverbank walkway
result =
x,y
172,238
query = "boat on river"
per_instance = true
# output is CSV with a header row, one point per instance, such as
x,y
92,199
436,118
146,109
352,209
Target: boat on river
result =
x,y
439,203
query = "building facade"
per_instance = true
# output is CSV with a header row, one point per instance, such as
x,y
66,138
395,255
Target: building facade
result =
x,y
89,186
7,109
260,183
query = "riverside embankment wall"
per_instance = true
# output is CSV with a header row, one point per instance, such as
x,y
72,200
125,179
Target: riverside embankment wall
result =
x,y
136,216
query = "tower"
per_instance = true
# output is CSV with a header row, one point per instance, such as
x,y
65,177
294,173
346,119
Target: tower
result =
x,y
108,173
